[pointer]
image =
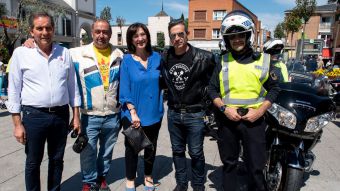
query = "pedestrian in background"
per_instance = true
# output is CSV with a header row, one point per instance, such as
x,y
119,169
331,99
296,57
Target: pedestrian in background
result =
x,y
141,99
186,71
42,83
320,63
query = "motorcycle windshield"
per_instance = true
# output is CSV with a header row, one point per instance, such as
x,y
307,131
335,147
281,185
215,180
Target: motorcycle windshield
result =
x,y
298,87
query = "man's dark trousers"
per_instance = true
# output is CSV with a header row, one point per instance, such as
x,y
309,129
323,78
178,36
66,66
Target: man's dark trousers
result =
x,y
43,126
187,128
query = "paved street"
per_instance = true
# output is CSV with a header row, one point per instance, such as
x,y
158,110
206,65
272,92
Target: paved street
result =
x,y
326,174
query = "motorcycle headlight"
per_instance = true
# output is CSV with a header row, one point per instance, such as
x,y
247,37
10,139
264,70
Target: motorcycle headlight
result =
x,y
316,123
283,116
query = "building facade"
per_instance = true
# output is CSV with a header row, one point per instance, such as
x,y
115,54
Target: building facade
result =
x,y
318,35
78,15
336,34
157,25
205,18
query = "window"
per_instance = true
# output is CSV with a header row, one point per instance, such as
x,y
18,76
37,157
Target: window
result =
x,y
219,15
66,27
200,15
199,33
325,19
119,39
216,33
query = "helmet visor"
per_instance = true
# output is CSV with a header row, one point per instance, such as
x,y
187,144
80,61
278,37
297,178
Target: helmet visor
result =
x,y
233,36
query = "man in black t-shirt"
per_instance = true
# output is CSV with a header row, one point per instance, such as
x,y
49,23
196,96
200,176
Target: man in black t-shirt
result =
x,y
186,71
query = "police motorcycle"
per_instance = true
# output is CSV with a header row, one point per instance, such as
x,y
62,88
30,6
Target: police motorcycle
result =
x,y
295,123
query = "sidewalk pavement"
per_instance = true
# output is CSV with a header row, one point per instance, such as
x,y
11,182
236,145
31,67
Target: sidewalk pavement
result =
x,y
326,174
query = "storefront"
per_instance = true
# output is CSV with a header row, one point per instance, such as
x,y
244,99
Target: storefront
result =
x,y
337,56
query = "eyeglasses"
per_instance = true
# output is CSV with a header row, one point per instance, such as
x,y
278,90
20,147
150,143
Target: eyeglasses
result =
x,y
234,36
180,35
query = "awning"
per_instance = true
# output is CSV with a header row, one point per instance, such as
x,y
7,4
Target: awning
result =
x,y
326,53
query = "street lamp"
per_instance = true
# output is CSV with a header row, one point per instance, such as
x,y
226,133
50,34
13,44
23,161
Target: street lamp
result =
x,y
302,37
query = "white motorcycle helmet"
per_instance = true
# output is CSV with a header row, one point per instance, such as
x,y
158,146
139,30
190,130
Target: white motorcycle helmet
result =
x,y
238,22
273,47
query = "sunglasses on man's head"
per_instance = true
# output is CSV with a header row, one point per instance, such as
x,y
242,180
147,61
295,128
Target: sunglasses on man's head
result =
x,y
180,35
234,36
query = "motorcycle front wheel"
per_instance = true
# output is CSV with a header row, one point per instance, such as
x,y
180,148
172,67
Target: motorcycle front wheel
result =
x,y
293,179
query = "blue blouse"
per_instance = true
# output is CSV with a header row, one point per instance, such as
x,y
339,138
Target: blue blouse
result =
x,y
140,87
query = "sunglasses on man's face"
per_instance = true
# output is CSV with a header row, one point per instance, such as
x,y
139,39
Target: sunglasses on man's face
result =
x,y
234,36
180,35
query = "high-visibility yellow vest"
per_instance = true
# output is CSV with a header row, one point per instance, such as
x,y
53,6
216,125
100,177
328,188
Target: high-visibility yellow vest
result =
x,y
241,85
283,69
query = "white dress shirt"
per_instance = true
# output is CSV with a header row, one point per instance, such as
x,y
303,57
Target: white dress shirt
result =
x,y
37,81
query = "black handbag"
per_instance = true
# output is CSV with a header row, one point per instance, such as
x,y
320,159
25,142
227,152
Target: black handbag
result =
x,y
80,143
137,138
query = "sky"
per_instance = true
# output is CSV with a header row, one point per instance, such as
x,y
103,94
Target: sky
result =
x,y
270,12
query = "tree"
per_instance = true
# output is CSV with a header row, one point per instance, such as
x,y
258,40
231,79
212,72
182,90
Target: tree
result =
x,y
120,22
86,39
25,9
182,17
106,14
160,40
279,31
304,10
185,20
292,24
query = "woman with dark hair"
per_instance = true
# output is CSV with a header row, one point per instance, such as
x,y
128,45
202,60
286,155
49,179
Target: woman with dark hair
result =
x,y
141,99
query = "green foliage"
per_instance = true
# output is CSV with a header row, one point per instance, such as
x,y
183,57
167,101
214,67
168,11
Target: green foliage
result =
x,y
106,14
120,21
25,9
292,23
182,16
279,31
304,9
185,20
160,40
3,9
4,53
86,39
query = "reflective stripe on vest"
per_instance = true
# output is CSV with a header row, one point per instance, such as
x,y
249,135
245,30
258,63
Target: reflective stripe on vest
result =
x,y
241,85
283,69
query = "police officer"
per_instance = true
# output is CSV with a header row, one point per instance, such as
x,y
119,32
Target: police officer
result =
x,y
242,87
274,47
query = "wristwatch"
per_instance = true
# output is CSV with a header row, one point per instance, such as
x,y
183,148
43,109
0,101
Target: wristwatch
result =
x,y
222,108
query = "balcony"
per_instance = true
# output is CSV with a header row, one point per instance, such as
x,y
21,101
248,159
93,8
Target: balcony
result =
x,y
325,27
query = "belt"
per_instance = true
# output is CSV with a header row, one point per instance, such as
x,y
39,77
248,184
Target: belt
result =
x,y
48,109
186,109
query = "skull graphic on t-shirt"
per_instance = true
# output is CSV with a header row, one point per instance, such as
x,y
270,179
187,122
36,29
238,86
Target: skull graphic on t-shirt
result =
x,y
179,75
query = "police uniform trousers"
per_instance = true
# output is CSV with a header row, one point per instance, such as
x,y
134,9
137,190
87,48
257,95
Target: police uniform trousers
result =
x,y
252,136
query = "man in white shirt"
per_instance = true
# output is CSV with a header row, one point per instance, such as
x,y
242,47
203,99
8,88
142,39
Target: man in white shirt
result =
x,y
42,83
97,67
